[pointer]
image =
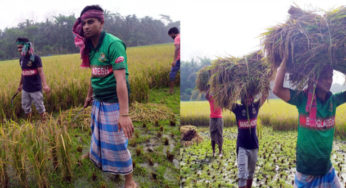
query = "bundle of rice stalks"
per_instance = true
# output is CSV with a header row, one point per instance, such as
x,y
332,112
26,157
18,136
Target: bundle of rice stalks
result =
x,y
308,42
202,79
238,77
149,112
75,117
189,135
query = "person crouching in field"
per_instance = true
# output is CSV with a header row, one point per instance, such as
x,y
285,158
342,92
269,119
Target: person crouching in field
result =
x,y
215,124
174,33
316,125
109,90
247,141
32,79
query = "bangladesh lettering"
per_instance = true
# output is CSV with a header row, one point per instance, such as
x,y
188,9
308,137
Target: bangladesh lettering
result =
x,y
305,121
101,71
29,72
247,123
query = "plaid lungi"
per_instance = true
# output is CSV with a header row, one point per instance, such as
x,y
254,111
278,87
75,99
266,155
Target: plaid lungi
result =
x,y
108,148
329,180
216,130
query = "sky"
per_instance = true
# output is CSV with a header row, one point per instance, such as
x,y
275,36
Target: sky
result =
x,y
13,12
208,28
224,28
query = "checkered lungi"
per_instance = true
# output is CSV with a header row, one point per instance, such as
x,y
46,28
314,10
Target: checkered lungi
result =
x,y
329,180
108,148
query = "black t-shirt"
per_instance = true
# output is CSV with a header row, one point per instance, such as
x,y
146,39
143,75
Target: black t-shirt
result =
x,y
247,137
31,77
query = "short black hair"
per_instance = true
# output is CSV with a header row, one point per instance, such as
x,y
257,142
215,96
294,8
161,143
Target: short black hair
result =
x,y
173,30
22,39
91,7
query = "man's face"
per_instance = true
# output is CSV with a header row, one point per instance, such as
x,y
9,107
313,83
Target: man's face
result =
x,y
91,27
325,81
247,100
172,36
19,47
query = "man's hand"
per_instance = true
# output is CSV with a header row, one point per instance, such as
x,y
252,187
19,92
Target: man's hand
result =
x,y
20,88
173,64
87,101
125,123
46,89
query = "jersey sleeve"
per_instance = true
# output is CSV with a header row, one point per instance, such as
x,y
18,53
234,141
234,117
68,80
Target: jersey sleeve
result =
x,y
340,98
117,54
257,104
296,97
38,61
235,108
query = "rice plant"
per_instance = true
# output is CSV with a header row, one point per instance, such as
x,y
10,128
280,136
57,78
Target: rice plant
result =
x,y
3,157
149,67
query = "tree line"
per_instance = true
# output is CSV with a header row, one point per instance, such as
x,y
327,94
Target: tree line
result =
x,y
188,74
54,36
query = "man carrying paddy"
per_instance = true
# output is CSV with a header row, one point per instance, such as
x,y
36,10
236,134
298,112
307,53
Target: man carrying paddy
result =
x,y
215,121
316,127
310,67
111,124
215,124
243,79
247,141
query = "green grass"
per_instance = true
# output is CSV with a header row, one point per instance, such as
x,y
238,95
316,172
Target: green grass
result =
x,y
162,173
276,157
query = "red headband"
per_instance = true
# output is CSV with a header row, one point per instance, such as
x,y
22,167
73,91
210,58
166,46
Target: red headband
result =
x,y
79,39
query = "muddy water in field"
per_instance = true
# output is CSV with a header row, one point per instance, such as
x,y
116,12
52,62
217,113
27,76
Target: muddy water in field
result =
x,y
275,166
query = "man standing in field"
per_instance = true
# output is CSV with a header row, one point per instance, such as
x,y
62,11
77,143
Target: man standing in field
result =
x,y
247,141
111,124
215,124
174,33
316,125
32,79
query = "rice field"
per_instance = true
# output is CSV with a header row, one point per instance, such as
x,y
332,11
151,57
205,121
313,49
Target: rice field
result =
x,y
149,67
275,166
275,113
53,153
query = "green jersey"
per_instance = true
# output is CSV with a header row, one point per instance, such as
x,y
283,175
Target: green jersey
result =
x,y
109,55
315,140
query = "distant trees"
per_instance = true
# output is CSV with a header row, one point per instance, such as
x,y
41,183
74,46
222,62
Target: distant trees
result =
x,y
188,72
55,36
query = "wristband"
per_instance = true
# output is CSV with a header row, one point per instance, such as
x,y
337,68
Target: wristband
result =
x,y
124,115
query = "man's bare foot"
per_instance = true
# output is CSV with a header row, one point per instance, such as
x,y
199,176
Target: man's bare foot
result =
x,y
129,182
43,116
132,184
28,117
85,156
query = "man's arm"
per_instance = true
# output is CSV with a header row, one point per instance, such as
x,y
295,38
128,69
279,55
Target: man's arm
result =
x,y
176,51
124,118
43,79
279,89
88,99
340,98
263,98
20,87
